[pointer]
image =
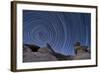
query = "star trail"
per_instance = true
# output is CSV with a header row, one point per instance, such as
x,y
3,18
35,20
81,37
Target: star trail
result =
x,y
60,29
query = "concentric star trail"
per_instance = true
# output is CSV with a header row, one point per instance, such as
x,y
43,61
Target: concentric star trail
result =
x,y
60,29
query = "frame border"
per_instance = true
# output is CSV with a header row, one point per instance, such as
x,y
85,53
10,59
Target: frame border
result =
x,y
14,35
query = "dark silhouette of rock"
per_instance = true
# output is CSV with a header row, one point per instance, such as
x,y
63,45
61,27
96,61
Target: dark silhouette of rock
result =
x,y
81,51
85,48
34,53
33,47
77,44
52,51
78,47
42,54
59,56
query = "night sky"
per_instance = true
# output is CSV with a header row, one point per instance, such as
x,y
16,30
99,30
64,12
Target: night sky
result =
x,y
60,29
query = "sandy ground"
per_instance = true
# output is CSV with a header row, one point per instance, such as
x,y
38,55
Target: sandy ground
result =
x,y
41,55
45,54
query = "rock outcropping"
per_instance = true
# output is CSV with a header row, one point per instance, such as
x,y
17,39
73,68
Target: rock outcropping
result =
x,y
34,53
42,54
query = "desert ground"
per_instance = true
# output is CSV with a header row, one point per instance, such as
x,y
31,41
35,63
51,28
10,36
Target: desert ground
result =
x,y
33,53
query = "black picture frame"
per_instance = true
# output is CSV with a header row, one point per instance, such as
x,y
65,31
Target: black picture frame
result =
x,y
14,34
